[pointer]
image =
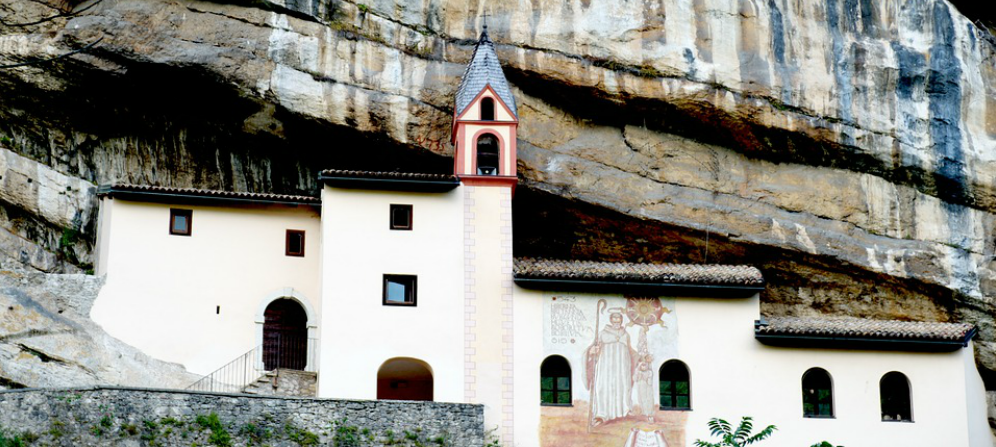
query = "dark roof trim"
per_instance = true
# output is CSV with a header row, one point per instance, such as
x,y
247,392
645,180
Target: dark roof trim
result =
x,y
201,196
381,181
641,288
862,343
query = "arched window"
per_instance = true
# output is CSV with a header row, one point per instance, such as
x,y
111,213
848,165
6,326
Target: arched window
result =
x,y
555,381
675,388
285,335
487,109
487,155
817,394
404,379
894,390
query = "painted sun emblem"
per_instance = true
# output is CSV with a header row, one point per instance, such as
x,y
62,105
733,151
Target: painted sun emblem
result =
x,y
645,311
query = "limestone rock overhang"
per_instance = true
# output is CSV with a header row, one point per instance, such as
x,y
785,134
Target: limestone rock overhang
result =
x,y
863,333
166,194
691,280
389,181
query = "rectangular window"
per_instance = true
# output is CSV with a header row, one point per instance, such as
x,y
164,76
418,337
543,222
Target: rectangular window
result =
x,y
401,217
399,290
179,222
295,243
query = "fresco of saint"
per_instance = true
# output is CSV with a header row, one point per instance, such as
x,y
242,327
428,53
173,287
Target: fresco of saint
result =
x,y
609,372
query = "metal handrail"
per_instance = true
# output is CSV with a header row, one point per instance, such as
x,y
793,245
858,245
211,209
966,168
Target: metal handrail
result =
x,y
277,352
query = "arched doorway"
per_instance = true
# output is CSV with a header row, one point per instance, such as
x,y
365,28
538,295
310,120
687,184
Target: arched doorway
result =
x,y
404,379
285,335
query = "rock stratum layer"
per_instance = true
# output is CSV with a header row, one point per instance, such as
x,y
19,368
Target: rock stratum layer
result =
x,y
845,147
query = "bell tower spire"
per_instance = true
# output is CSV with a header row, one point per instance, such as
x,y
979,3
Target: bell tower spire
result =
x,y
485,120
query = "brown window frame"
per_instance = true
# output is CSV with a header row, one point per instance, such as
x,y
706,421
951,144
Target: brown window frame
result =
x,y
287,247
411,217
412,291
188,214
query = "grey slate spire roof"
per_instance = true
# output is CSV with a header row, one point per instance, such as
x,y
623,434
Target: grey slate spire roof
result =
x,y
484,69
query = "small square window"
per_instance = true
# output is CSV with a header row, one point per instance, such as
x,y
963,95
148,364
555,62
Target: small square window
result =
x,y
295,243
401,217
179,222
399,290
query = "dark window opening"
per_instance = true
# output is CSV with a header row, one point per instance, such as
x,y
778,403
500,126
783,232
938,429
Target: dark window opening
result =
x,y
487,155
179,222
399,290
487,109
295,243
675,388
401,217
894,389
555,381
817,394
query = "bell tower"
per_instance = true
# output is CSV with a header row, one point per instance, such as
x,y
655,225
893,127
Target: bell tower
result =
x,y
484,132
485,121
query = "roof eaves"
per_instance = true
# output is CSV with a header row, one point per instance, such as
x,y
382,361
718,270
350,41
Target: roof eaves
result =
x,y
187,195
378,181
639,287
860,342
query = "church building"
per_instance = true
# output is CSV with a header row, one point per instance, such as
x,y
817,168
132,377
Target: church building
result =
x,y
390,285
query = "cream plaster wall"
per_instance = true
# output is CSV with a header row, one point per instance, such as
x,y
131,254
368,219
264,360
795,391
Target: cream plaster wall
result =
x,y
162,290
733,375
103,236
359,333
488,226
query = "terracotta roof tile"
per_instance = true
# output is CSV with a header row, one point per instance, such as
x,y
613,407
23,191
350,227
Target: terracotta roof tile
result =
x,y
205,193
389,175
864,328
737,275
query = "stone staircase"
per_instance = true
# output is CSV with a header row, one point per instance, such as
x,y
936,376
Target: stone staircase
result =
x,y
284,382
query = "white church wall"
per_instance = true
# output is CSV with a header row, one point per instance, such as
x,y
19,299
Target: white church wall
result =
x,y
360,333
733,375
194,299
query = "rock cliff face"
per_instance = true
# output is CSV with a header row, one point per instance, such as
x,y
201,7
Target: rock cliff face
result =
x,y
846,147
47,338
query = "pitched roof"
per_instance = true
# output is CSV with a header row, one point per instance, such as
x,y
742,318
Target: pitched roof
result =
x,y
393,181
484,69
564,272
389,175
838,330
151,192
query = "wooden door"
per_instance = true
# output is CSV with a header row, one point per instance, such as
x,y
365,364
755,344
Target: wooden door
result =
x,y
285,336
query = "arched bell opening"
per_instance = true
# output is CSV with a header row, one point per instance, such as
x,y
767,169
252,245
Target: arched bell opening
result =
x,y
488,155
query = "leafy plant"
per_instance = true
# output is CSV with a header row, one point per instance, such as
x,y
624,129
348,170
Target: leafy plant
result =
x,y
5,441
825,444
219,436
739,437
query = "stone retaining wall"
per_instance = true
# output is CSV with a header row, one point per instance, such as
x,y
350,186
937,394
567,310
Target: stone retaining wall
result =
x,y
134,416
